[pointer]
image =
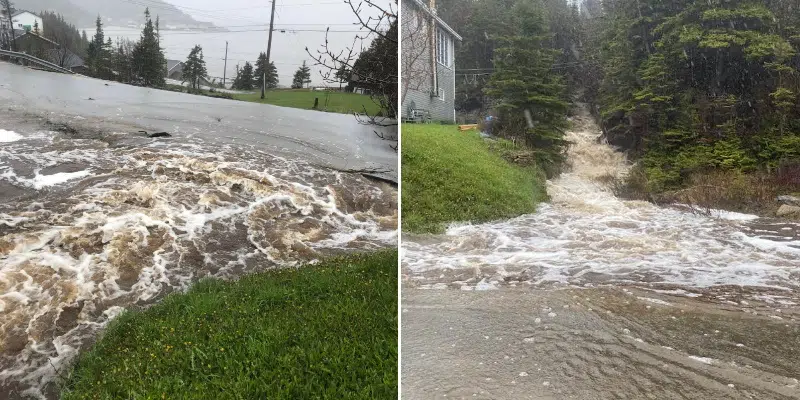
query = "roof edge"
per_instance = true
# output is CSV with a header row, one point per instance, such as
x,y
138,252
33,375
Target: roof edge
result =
x,y
441,22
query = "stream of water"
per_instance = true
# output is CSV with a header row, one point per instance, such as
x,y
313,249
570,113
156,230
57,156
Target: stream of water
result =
x,y
596,297
587,236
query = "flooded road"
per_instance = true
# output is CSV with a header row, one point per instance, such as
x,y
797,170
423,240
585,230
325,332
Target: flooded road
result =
x,y
594,297
328,139
95,219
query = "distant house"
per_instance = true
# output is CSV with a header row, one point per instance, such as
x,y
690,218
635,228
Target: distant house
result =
x,y
428,82
175,69
33,44
48,50
26,21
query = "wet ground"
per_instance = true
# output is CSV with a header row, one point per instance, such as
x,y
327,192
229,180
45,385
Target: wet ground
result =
x,y
95,218
328,139
596,297
598,343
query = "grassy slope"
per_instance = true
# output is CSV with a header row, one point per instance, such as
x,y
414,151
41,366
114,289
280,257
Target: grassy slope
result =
x,y
303,98
338,102
452,176
325,331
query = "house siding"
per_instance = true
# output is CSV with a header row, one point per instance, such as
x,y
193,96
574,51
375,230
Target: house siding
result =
x,y
441,108
27,19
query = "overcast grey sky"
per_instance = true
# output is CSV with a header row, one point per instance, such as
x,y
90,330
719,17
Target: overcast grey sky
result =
x,y
290,15
298,23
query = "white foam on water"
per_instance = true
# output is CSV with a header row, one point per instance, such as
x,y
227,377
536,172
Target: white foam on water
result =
x,y
121,239
42,181
732,216
9,136
704,360
655,301
586,235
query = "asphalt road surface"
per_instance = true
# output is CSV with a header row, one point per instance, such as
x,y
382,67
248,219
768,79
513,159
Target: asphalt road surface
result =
x,y
326,139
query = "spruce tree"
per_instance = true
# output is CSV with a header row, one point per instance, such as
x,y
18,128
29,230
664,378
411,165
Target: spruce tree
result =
x,y
526,92
195,67
149,62
258,74
94,59
245,77
302,76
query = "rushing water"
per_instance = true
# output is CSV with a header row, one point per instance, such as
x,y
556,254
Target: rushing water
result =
x,y
595,297
94,224
585,235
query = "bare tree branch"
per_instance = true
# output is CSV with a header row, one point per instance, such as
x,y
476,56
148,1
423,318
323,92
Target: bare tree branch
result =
x,y
367,68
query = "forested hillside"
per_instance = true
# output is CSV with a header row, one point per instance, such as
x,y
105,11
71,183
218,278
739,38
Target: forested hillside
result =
x,y
693,86
689,89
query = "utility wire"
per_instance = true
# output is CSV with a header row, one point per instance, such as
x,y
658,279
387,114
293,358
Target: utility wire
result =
x,y
282,30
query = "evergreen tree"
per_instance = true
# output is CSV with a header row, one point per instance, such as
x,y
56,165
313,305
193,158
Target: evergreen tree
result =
x,y
195,67
691,86
302,76
528,95
65,34
149,62
36,27
258,75
244,77
376,70
94,59
236,78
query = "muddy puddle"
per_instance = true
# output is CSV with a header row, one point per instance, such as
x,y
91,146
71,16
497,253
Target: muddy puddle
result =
x,y
693,272
92,223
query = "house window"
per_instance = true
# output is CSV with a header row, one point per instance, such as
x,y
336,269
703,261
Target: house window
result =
x,y
444,48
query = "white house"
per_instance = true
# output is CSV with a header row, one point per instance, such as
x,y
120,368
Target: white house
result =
x,y
26,20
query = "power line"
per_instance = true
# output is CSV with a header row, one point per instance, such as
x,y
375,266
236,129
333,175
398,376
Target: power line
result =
x,y
283,30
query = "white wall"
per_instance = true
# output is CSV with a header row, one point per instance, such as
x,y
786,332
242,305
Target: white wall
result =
x,y
27,18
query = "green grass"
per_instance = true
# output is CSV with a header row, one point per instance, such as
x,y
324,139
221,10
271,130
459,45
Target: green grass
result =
x,y
325,331
339,102
451,176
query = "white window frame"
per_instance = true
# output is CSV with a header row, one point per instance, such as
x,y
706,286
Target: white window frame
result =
x,y
444,48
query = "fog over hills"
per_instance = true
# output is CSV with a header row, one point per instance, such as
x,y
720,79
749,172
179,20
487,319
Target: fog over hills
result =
x,y
83,13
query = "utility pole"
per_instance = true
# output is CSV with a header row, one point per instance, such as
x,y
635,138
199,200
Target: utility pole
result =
x,y
225,70
269,47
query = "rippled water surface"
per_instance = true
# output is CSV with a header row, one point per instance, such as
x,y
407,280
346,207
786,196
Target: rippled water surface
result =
x,y
91,224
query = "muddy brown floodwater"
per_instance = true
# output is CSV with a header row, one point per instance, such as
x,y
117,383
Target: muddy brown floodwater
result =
x,y
97,220
596,297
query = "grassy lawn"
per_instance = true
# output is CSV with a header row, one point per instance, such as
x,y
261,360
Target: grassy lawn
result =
x,y
324,331
339,102
451,176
